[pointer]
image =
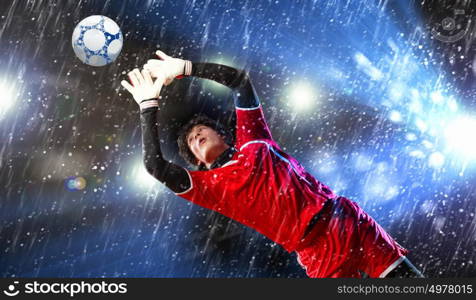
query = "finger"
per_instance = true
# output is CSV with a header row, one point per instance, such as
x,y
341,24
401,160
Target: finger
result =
x,y
150,70
148,67
139,75
161,55
147,77
153,65
159,82
153,71
133,78
154,62
127,86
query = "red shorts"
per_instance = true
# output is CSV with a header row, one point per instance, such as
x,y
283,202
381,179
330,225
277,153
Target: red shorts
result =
x,y
346,241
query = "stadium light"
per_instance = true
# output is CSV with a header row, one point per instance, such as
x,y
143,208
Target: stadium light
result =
x,y
436,160
302,97
459,137
141,178
7,97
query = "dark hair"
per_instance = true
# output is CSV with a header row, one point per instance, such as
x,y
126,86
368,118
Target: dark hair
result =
x,y
184,150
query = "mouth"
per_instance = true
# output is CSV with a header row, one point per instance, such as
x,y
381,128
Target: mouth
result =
x,y
201,141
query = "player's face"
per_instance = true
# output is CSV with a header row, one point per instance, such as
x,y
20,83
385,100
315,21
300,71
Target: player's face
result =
x,y
205,143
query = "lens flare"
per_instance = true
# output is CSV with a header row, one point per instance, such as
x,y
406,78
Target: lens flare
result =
x,y
460,137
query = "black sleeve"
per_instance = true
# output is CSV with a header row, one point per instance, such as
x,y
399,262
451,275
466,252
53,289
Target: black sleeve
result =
x,y
238,80
173,176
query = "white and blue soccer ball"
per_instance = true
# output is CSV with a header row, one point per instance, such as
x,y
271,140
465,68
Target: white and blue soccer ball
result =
x,y
97,40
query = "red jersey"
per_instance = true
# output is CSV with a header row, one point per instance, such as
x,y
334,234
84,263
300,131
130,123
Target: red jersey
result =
x,y
261,186
265,189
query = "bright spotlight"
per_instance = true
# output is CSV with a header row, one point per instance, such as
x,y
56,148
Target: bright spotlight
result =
x,y
436,160
452,105
437,97
395,116
459,137
140,178
7,97
302,97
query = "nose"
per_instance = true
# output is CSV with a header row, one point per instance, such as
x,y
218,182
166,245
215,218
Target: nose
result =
x,y
197,136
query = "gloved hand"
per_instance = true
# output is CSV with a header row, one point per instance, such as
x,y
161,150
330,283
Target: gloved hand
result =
x,y
143,89
172,67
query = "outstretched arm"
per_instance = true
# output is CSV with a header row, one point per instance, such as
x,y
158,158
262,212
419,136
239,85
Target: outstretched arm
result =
x,y
238,80
170,174
251,123
146,93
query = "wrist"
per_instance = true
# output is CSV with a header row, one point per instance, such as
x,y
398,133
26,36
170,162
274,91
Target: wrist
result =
x,y
144,104
187,69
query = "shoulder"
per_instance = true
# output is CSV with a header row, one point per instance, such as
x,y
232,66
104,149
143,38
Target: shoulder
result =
x,y
258,143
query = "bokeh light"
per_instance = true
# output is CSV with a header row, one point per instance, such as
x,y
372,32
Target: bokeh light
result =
x,y
459,136
8,96
302,97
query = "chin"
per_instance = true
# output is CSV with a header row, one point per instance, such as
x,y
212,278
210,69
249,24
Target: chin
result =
x,y
208,149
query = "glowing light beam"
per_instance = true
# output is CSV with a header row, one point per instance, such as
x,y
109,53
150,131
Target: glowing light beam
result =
x,y
459,136
7,98
302,97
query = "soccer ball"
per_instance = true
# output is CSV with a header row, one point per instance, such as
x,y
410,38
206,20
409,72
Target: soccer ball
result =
x,y
97,40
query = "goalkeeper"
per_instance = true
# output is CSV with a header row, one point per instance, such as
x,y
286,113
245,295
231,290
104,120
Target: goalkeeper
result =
x,y
255,183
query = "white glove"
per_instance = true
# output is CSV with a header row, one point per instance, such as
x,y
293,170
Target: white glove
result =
x,y
143,89
170,66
